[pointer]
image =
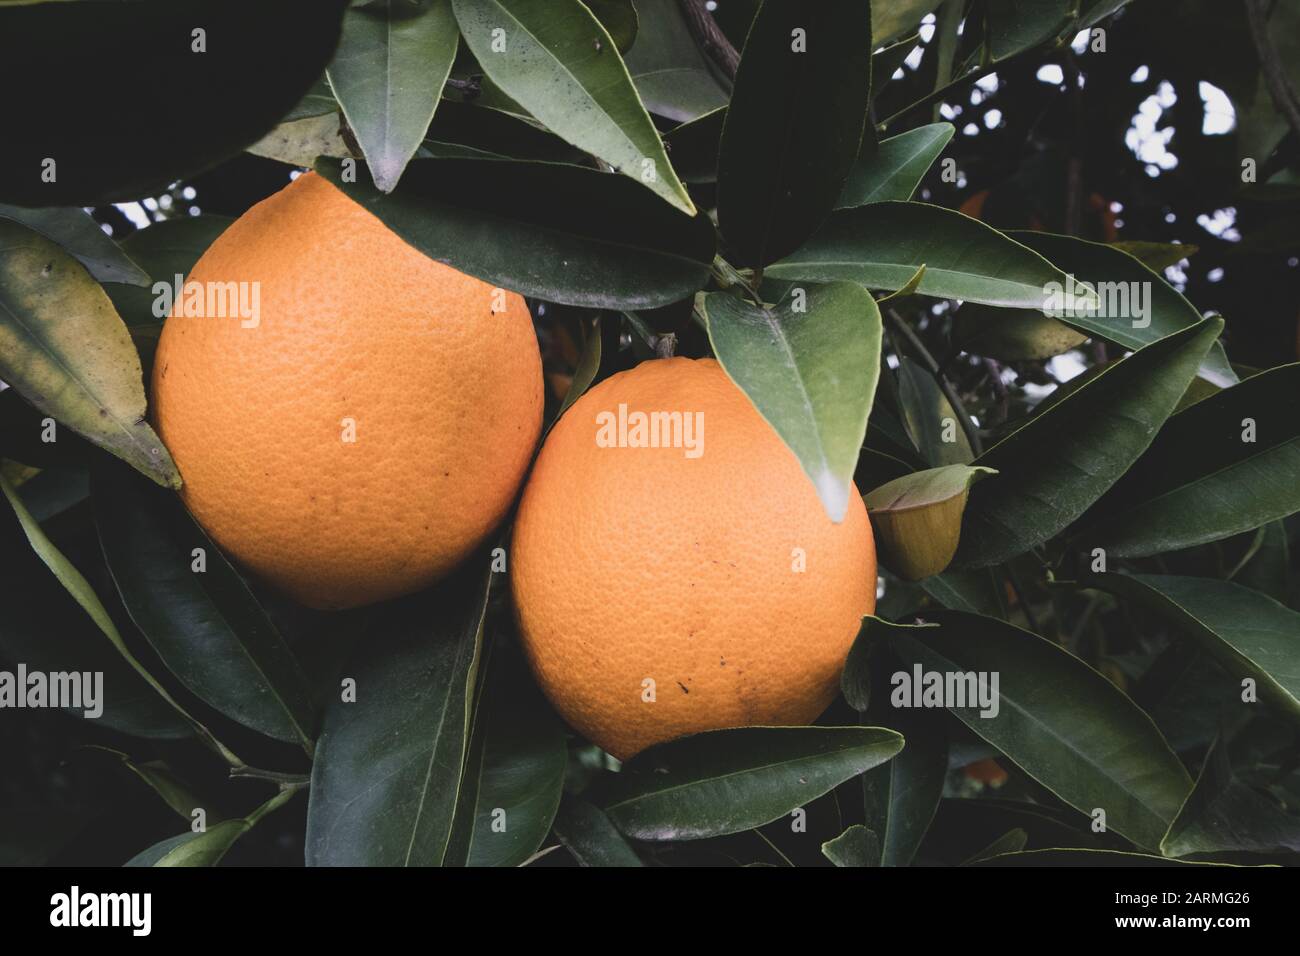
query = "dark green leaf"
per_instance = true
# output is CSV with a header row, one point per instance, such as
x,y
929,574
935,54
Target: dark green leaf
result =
x,y
694,147
1013,26
726,781
81,237
588,834
389,765
899,17
388,74
673,76
881,246
1202,480
810,366
37,605
1248,633
1223,814
856,846
930,418
896,168
1075,858
1013,841
50,309
1011,335
515,772
899,797
619,18
1054,467
208,847
977,590
557,61
560,233
205,625
785,155
100,125
1060,721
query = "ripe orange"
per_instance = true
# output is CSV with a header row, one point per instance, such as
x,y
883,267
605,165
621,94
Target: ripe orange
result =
x,y
640,564
370,426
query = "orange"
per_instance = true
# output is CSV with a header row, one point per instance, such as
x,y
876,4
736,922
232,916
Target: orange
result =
x,y
368,424
662,592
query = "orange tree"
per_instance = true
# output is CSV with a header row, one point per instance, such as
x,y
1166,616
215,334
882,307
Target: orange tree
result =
x,y
1023,275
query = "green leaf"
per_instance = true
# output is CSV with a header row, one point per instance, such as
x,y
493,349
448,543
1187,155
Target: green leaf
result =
x,y
672,75
896,168
785,155
1060,721
205,625
810,366
917,518
585,373
207,848
882,245
856,846
389,764
1080,857
889,60
1013,26
388,74
499,133
1134,306
298,142
1202,480
163,781
81,237
1267,565
1225,815
1012,335
1013,841
515,773
899,797
50,309
899,17
727,781
977,590
100,125
38,605
620,20
560,233
556,59
1157,255
929,417
1055,466
694,147
1248,633
590,837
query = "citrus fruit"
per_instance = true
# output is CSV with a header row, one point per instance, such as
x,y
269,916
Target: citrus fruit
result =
x,y
691,586
363,431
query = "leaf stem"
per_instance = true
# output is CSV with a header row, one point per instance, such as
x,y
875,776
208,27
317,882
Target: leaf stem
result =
x,y
292,781
933,367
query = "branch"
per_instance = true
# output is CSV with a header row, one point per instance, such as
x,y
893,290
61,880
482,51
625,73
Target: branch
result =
x,y
709,36
931,366
1284,95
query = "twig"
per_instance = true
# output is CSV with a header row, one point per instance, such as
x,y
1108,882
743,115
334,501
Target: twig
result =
x,y
709,37
1279,85
931,366
275,776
